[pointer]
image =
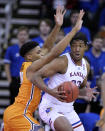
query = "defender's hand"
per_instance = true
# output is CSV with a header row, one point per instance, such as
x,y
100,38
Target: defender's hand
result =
x,y
59,15
60,95
91,92
79,21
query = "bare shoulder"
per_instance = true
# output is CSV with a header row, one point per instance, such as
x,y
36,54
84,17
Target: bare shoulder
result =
x,y
63,59
87,65
63,63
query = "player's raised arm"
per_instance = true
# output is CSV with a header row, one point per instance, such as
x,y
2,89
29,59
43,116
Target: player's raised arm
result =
x,y
56,50
48,44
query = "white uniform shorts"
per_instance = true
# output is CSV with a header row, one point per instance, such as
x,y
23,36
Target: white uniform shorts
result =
x,y
50,112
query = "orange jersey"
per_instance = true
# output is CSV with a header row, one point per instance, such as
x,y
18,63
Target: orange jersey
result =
x,y
29,95
102,112
19,115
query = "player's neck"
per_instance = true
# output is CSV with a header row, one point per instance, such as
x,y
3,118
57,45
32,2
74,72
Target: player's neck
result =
x,y
95,52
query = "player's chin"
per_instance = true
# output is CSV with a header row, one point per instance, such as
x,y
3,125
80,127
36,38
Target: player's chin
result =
x,y
77,58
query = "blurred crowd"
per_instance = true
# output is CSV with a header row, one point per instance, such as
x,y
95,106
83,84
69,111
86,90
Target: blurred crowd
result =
x,y
94,29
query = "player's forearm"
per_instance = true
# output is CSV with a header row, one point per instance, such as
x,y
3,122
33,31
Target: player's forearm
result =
x,y
38,81
49,43
61,46
8,74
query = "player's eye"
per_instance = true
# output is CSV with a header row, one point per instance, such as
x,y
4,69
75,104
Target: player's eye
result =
x,y
38,52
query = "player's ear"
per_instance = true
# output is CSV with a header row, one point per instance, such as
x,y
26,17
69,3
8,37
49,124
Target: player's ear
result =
x,y
86,47
29,57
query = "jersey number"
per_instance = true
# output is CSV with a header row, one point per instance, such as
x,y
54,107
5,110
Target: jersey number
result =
x,y
78,83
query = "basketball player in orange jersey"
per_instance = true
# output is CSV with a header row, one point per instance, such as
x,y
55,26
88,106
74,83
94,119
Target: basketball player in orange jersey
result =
x,y
18,117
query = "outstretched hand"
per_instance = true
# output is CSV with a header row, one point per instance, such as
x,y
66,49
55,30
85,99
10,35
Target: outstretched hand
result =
x,y
60,12
91,92
79,20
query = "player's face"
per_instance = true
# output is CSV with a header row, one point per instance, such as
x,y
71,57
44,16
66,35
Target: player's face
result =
x,y
97,44
44,28
23,36
74,18
36,53
77,49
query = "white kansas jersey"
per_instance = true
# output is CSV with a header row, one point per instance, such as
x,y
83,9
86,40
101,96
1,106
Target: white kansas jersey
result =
x,y
74,73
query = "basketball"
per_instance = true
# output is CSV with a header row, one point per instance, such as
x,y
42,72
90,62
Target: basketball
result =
x,y
71,91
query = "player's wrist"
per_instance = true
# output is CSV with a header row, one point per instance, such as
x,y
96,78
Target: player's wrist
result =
x,y
47,90
74,29
58,25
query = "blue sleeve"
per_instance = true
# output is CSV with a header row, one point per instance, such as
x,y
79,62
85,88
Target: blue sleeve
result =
x,y
102,18
7,57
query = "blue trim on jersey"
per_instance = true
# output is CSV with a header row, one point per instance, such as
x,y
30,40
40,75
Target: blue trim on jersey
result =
x,y
76,123
32,123
32,91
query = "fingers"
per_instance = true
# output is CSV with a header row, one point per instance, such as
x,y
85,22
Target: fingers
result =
x,y
81,14
60,10
96,92
87,85
95,88
57,9
64,12
62,98
60,92
94,97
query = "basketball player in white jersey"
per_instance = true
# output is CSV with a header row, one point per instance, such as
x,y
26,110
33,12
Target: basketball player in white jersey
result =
x,y
69,67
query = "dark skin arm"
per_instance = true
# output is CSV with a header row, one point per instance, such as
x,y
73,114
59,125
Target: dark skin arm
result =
x,y
56,50
47,71
49,43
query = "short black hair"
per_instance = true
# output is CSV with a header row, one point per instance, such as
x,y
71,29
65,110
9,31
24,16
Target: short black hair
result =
x,y
80,36
27,47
